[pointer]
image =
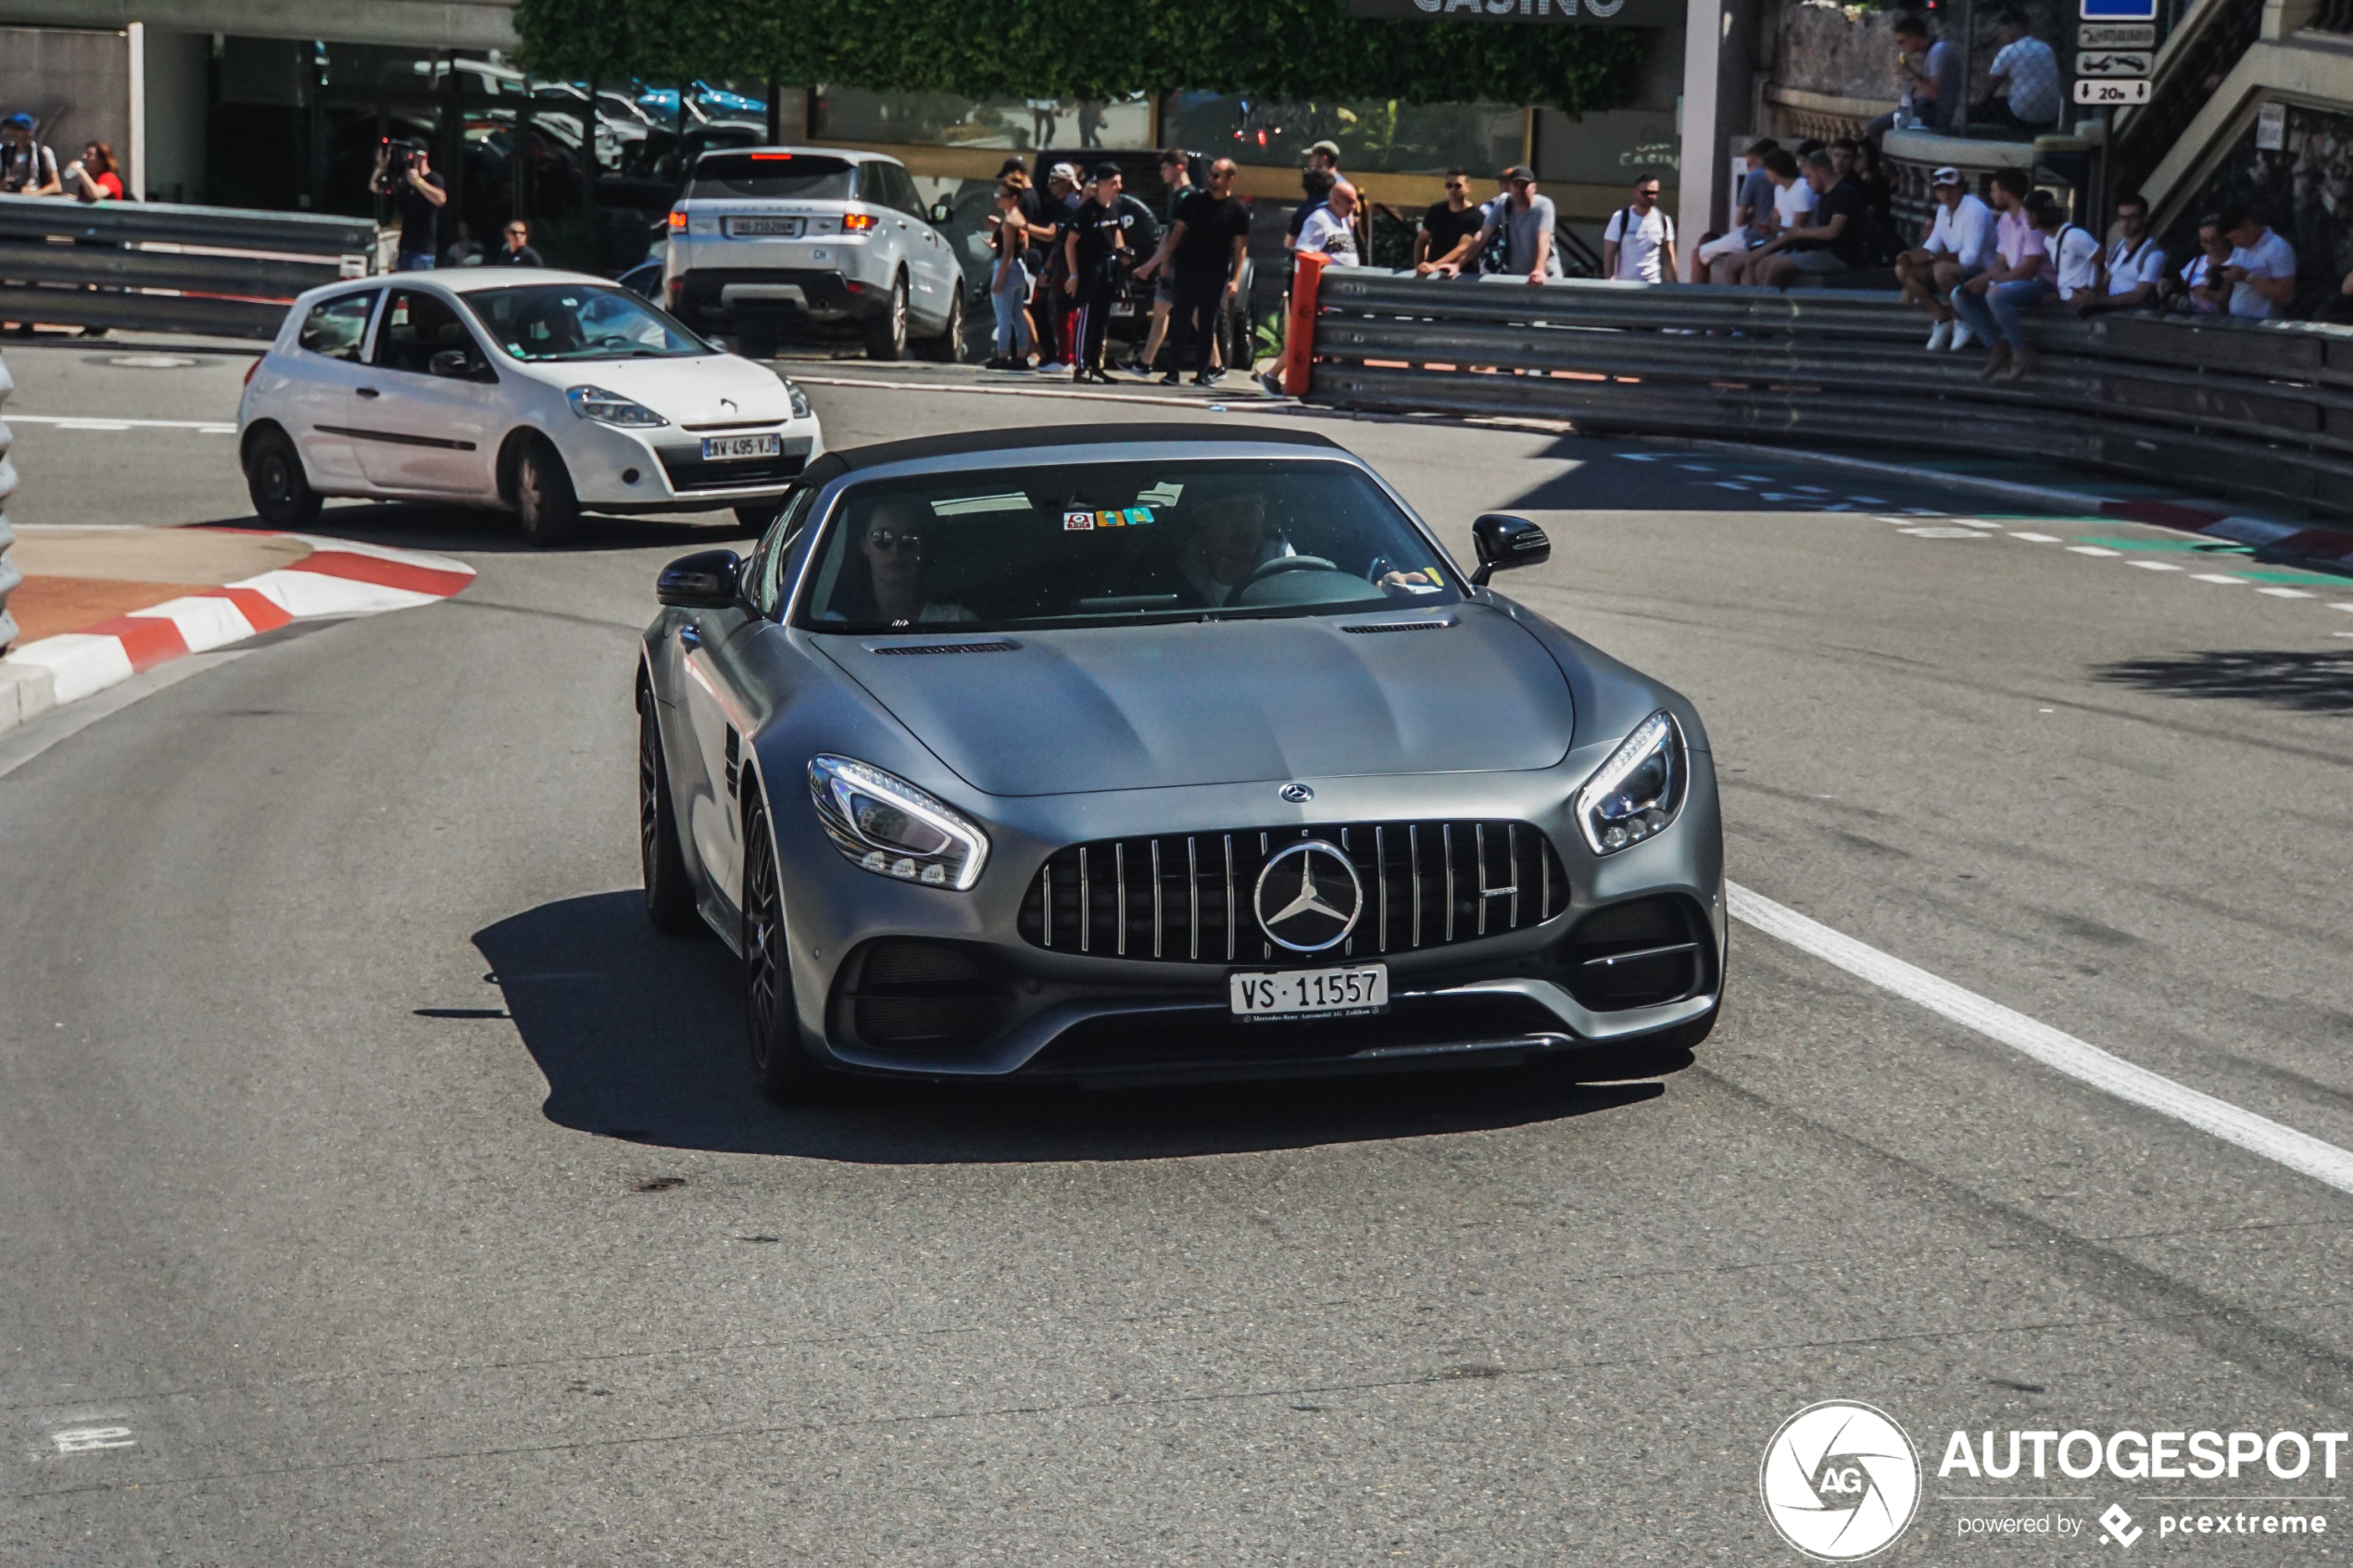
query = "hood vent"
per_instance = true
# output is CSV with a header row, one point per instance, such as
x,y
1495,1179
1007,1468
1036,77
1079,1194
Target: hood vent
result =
x,y
1371,626
947,647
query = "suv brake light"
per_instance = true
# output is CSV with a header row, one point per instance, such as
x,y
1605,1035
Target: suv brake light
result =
x,y
677,217
857,222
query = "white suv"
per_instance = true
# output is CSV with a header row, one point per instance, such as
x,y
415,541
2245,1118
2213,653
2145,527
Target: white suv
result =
x,y
767,240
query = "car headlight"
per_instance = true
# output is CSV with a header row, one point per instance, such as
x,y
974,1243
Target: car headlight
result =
x,y
1638,791
799,399
610,408
886,825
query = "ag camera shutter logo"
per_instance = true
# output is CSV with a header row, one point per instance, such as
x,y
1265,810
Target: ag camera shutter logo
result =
x,y
1840,1481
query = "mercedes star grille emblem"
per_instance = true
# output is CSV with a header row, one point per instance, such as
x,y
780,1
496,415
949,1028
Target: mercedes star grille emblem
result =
x,y
1298,794
1308,898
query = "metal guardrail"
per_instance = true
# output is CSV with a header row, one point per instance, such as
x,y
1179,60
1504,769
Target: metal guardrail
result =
x,y
10,575
159,267
2257,409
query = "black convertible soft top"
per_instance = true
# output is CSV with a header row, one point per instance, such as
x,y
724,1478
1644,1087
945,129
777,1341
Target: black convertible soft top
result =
x,y
833,465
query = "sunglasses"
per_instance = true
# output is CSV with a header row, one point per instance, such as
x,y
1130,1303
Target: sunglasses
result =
x,y
895,539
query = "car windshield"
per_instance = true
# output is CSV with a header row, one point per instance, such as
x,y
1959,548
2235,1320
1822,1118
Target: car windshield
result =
x,y
540,321
1094,544
803,176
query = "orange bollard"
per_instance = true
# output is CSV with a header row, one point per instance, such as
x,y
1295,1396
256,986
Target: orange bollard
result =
x,y
1298,333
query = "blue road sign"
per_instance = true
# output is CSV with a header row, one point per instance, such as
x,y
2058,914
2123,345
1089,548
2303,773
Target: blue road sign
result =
x,y
2119,10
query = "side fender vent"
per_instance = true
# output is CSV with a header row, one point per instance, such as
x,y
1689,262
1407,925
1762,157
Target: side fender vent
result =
x,y
734,759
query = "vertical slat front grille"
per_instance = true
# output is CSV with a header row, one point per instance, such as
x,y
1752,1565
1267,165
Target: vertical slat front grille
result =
x,y
1426,885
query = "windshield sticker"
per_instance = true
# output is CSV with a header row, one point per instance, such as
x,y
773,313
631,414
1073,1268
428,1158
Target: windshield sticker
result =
x,y
965,506
1138,516
1164,493
1111,519
1078,523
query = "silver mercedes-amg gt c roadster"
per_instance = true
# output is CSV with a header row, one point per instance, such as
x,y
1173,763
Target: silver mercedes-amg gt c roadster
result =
x,y
1141,752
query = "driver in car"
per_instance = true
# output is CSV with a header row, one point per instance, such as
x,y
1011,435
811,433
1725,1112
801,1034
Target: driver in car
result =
x,y
1232,543
891,541
1229,543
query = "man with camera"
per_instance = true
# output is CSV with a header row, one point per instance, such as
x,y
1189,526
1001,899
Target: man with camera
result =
x,y
404,172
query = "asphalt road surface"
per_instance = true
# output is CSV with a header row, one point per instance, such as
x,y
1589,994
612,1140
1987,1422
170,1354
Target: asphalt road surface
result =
x,y
383,1190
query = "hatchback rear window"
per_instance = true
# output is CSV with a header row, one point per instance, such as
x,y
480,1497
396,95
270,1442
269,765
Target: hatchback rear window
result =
x,y
791,176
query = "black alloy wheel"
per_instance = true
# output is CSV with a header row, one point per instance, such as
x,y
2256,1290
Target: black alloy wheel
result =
x,y
670,894
281,491
545,501
788,1074
887,333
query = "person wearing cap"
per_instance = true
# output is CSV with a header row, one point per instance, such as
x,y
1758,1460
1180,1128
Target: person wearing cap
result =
x,y
29,168
1959,246
1051,302
1526,220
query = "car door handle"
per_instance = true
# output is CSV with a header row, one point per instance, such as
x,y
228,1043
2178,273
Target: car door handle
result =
x,y
369,392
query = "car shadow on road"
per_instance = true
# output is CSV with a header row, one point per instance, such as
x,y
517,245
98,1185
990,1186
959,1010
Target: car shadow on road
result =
x,y
641,1037
414,526
2304,683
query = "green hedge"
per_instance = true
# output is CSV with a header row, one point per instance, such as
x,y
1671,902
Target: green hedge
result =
x,y
1082,49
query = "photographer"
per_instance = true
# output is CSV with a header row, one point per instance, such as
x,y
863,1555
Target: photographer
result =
x,y
406,173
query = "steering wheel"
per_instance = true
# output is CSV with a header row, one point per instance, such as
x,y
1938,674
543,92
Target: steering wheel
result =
x,y
1282,564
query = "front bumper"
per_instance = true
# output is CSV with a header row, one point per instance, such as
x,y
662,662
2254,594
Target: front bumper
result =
x,y
1004,1006
661,470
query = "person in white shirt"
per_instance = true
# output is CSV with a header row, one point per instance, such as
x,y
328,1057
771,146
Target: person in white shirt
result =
x,y
1793,205
2026,73
2078,252
2135,266
1960,244
2261,270
1638,245
2202,278
1329,228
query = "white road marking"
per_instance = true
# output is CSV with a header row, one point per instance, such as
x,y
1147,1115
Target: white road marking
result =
x,y
2093,551
2220,577
2034,538
2301,1152
2284,593
86,1439
2340,607
2154,565
1934,532
92,425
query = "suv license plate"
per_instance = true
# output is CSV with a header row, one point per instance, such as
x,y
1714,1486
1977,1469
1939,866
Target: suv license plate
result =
x,y
1355,992
776,227
723,448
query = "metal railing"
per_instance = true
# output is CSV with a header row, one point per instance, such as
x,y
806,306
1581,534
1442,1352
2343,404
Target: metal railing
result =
x,y
2199,51
158,267
2256,408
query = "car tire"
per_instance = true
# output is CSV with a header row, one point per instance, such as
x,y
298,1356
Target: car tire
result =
x,y
887,333
670,893
948,348
274,477
780,1062
545,500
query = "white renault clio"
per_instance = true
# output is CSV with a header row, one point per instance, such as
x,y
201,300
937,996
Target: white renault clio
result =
x,y
536,392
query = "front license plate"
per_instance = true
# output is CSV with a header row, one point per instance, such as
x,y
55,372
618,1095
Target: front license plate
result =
x,y
726,448
1311,993
764,228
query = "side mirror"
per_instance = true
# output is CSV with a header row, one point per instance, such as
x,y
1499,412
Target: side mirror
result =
x,y
705,580
942,213
1504,542
453,364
